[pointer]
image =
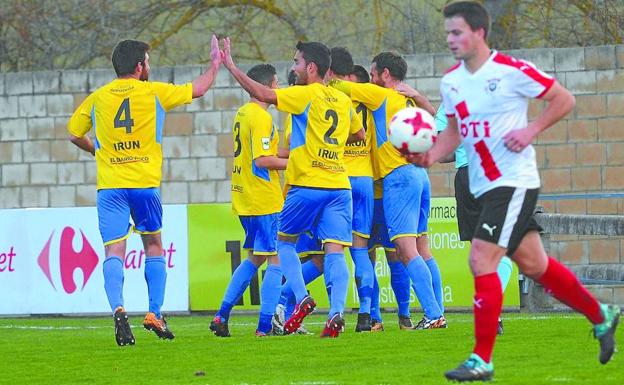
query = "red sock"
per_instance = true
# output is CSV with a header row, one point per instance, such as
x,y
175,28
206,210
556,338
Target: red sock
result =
x,y
488,301
562,284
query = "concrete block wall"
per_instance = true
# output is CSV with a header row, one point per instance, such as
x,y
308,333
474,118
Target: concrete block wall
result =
x,y
581,158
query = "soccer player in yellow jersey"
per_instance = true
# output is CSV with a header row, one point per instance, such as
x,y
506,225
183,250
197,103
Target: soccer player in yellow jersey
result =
x,y
360,171
257,200
406,189
319,200
127,116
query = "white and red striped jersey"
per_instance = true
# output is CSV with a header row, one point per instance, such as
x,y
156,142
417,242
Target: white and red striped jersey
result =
x,y
488,104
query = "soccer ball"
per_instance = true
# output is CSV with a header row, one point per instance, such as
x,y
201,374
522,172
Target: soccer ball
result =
x,y
412,130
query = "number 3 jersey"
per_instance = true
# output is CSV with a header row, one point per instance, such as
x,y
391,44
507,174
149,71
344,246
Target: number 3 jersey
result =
x,y
255,190
322,119
487,105
127,116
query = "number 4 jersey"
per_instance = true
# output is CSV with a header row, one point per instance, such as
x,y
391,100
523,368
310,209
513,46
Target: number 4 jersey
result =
x,y
127,116
487,105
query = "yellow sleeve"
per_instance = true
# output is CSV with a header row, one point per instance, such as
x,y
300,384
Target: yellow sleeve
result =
x,y
261,134
293,99
80,122
356,122
343,86
370,94
172,95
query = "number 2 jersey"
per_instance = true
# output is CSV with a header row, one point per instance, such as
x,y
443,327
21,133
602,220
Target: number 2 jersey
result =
x,y
487,105
322,119
127,116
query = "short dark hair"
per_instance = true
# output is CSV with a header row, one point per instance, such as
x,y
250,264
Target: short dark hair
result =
x,y
127,54
341,61
317,53
361,74
474,13
396,65
262,73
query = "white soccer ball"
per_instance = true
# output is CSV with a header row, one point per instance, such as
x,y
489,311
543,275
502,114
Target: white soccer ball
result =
x,y
412,130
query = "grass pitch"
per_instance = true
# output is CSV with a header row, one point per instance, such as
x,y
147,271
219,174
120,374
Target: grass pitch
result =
x,y
535,349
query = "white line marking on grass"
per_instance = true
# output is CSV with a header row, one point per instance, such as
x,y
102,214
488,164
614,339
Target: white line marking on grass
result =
x,y
205,324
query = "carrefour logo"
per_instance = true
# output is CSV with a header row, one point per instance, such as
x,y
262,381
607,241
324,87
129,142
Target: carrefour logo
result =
x,y
85,259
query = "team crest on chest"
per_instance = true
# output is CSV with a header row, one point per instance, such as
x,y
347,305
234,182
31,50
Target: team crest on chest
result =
x,y
492,85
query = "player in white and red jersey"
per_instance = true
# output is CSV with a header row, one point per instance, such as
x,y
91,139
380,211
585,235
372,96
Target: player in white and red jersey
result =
x,y
485,97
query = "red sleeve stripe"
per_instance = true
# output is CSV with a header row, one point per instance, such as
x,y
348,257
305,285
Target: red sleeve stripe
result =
x,y
453,68
546,88
450,115
527,69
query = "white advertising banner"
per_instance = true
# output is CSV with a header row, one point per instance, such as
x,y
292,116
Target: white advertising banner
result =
x,y
51,262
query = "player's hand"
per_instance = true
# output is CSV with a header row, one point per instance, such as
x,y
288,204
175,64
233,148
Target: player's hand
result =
x,y
421,159
226,54
215,54
407,90
518,140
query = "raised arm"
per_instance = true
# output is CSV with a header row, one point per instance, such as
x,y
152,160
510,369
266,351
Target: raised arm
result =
x,y
255,89
422,101
202,83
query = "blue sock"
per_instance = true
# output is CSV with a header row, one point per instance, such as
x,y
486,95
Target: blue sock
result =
x,y
364,277
113,281
421,282
505,268
156,278
375,310
291,267
400,281
436,282
336,266
309,271
290,308
237,286
269,296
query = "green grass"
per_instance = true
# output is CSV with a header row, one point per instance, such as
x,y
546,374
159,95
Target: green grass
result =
x,y
536,349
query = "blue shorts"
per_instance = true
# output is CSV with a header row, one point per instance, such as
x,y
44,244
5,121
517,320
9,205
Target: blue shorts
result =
x,y
406,201
324,213
379,235
362,192
115,206
260,233
307,245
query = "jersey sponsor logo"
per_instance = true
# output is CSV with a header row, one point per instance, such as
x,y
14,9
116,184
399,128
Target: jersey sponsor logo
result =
x,y
237,169
127,145
85,259
329,167
129,159
359,143
266,143
477,128
237,188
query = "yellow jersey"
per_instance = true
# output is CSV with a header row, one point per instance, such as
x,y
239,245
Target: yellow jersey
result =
x,y
383,103
358,155
255,190
322,119
128,116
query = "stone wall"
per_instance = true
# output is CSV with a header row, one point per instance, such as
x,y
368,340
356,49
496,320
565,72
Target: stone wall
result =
x,y
581,158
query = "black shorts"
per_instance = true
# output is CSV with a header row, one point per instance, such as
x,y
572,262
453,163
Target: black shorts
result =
x,y
467,206
506,215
